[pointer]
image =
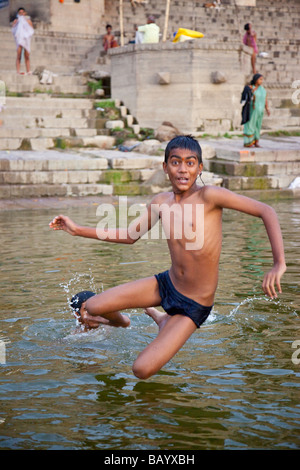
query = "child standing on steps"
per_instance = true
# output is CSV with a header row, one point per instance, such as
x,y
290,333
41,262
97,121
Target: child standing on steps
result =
x,y
191,217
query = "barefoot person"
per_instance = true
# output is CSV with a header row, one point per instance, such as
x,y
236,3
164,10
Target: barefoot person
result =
x,y
22,30
191,217
109,40
258,105
250,40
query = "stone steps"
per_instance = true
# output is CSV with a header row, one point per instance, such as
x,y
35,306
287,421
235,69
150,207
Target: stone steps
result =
x,y
230,168
270,151
282,118
45,122
242,183
24,174
273,166
33,133
60,113
54,173
72,84
41,122
281,123
41,101
44,143
35,122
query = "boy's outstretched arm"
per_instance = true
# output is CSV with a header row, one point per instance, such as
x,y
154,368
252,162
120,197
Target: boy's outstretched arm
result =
x,y
129,235
226,199
62,222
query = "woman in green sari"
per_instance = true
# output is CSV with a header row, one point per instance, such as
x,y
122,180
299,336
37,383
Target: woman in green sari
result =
x,y
257,106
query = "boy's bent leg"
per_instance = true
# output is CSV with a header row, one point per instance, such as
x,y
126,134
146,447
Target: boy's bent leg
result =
x,y
116,319
137,294
169,340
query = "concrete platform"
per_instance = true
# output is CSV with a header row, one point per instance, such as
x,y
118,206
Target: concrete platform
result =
x,y
274,165
281,149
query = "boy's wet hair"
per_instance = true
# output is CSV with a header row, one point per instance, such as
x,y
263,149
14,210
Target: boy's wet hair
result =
x,y
78,299
184,142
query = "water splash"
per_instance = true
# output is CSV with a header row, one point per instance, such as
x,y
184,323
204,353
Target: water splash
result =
x,y
250,301
78,283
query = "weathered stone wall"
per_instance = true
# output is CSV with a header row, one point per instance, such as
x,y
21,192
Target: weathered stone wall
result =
x,y
215,23
85,17
4,13
39,10
173,82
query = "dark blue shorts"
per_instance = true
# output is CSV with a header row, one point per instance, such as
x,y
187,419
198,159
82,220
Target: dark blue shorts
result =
x,y
173,302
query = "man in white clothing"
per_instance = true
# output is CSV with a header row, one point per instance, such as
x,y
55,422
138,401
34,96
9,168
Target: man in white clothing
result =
x,y
22,30
148,33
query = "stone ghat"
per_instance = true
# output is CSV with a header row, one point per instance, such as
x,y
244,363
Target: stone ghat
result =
x,y
101,172
275,165
88,172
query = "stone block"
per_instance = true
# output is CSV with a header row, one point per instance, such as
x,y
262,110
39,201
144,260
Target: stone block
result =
x,y
123,111
101,141
87,189
163,78
136,128
10,144
140,162
149,147
129,120
41,144
217,126
114,124
208,151
132,189
141,92
245,3
115,176
218,77
77,177
99,93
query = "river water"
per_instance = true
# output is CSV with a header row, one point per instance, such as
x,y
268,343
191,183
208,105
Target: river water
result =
x,y
234,385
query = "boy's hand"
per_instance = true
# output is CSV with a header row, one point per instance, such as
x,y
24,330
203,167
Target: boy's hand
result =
x,y
272,279
62,222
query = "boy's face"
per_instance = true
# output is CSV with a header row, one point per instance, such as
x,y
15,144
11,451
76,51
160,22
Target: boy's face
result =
x,y
183,168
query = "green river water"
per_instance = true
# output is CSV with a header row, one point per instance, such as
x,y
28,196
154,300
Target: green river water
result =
x,y
234,385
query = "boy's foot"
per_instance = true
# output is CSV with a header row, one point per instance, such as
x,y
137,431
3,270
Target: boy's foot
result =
x,y
160,318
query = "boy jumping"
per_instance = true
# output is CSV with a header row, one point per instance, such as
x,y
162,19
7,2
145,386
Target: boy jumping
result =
x,y
191,217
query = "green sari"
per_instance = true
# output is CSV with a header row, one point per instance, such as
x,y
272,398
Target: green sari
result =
x,y
252,128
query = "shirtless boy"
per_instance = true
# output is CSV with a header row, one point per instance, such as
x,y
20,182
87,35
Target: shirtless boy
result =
x,y
186,292
109,40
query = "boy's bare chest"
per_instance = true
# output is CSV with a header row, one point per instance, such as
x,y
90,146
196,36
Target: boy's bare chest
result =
x,y
183,222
